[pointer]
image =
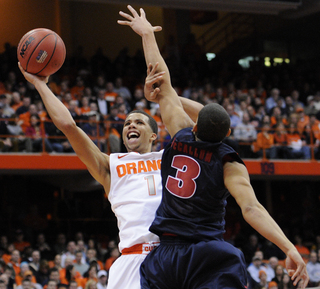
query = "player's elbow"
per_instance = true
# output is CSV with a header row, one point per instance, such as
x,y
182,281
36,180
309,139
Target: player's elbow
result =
x,y
67,126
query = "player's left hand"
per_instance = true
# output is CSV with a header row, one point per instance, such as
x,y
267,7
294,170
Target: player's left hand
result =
x,y
31,77
297,268
153,82
139,24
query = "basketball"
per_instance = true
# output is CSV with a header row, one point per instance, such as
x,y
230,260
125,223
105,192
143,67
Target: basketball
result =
x,y
41,52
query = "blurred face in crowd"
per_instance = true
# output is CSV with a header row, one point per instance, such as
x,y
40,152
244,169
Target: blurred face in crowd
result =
x,y
52,284
15,256
36,256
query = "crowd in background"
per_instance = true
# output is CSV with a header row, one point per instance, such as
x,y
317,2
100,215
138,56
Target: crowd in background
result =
x,y
83,263
274,111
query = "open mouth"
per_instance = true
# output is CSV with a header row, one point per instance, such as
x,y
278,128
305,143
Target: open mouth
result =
x,y
133,135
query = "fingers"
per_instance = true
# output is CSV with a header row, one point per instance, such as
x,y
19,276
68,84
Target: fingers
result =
x,y
20,67
300,274
133,11
157,28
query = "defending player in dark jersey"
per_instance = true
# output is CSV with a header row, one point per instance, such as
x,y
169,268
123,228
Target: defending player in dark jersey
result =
x,y
198,174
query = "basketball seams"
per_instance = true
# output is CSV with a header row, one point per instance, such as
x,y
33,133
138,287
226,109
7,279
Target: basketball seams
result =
x,y
30,33
52,54
36,48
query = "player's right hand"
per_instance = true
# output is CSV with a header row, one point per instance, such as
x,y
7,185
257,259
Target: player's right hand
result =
x,y
296,268
153,82
31,77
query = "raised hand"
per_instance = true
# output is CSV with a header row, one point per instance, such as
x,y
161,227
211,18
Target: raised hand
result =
x,y
139,24
31,77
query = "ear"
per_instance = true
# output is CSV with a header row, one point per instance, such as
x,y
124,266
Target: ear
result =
x,y
154,137
229,132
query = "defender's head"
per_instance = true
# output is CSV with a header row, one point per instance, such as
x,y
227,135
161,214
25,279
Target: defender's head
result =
x,y
213,123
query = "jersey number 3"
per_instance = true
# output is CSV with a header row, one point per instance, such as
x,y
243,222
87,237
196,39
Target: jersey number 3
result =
x,y
183,184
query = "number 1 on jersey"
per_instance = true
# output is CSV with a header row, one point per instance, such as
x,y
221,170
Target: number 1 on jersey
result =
x,y
151,185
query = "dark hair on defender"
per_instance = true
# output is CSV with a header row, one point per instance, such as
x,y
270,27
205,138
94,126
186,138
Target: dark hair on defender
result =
x,y
213,123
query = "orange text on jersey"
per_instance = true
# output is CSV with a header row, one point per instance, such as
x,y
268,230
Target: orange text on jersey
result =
x,y
138,167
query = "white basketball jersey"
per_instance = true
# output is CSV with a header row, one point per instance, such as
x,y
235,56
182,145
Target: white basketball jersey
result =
x,y
135,194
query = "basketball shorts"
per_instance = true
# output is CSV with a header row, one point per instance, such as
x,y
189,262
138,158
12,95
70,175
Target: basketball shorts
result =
x,y
180,264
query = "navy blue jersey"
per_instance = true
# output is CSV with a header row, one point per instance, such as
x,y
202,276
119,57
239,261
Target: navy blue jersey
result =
x,y
194,195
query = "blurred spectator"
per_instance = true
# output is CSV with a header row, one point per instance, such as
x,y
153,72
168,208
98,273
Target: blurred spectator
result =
x,y
110,95
24,267
303,119
114,255
262,284
265,143
250,247
91,275
5,100
245,133
35,263
114,128
5,141
287,282
122,90
273,285
43,247
102,104
297,147
102,279
20,143
254,269
80,265
25,105
279,272
20,243
60,244
69,253
24,118
313,269
56,262
270,267
37,135
94,129
280,141
42,275
77,90
16,100
295,94
273,99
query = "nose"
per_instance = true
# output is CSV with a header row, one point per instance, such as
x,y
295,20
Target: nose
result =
x,y
132,125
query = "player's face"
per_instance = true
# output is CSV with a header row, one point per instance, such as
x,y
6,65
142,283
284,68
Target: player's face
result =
x,y
137,133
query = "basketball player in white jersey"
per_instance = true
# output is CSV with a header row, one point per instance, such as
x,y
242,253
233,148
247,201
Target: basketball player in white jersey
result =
x,y
131,180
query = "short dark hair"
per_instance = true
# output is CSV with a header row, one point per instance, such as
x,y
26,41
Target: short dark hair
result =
x,y
213,123
152,122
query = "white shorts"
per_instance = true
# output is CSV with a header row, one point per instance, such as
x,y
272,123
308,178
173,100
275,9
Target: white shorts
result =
x,y
125,272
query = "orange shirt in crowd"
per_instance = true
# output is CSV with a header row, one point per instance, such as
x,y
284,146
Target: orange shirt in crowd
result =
x,y
109,262
263,141
20,278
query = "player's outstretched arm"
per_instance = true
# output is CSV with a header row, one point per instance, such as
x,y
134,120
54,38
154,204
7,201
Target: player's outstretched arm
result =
x,y
96,162
152,89
171,108
236,179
